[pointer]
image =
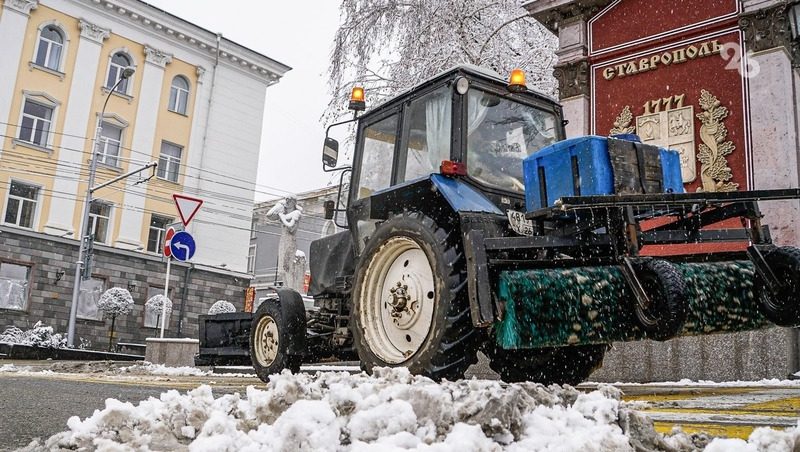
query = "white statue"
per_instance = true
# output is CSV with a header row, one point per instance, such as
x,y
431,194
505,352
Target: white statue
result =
x,y
291,264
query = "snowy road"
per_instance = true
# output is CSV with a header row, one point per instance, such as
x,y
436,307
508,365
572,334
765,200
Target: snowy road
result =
x,y
38,401
719,410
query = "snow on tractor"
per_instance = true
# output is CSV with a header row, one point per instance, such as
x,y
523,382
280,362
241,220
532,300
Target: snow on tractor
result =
x,y
473,224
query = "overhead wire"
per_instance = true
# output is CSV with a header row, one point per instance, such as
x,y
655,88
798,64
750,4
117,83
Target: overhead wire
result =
x,y
147,161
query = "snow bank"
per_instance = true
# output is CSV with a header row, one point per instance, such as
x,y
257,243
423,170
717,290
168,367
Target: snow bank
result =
x,y
391,410
709,383
160,369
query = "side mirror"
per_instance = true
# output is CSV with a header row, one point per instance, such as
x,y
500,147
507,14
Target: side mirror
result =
x,y
330,152
329,206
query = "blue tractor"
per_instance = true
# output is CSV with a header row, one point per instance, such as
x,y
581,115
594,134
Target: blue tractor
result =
x,y
472,224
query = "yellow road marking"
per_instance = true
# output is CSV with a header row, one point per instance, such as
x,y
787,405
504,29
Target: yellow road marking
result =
x,y
729,431
787,404
742,412
693,393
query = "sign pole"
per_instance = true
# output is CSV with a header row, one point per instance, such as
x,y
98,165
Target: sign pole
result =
x,y
164,305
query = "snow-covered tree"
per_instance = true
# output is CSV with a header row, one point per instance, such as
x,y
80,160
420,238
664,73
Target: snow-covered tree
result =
x,y
221,307
388,46
114,302
155,304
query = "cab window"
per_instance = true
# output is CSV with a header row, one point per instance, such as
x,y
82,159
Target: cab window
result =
x,y
377,156
429,120
500,134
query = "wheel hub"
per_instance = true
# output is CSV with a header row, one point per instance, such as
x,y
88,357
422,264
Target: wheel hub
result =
x,y
266,336
404,307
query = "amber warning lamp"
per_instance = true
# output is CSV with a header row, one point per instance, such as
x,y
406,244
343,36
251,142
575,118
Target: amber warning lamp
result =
x,y
357,99
516,82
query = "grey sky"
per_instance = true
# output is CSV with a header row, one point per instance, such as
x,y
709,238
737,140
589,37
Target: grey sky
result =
x,y
298,34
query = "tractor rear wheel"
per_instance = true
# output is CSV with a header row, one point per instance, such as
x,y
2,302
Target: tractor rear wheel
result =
x,y
553,365
666,313
410,305
783,306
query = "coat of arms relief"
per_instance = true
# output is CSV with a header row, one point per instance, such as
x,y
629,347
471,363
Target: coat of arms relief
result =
x,y
669,124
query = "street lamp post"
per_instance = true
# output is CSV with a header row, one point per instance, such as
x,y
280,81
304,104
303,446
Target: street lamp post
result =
x,y
82,254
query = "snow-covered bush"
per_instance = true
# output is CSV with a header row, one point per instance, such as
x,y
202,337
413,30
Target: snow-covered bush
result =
x,y
221,307
39,336
155,303
115,301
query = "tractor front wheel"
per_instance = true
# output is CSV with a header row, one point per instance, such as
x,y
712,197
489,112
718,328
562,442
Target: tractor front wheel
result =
x,y
410,305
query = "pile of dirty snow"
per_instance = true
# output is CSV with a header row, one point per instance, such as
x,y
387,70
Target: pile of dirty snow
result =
x,y
147,368
391,410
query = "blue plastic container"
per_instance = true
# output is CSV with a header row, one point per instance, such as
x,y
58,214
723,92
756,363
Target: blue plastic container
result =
x,y
584,163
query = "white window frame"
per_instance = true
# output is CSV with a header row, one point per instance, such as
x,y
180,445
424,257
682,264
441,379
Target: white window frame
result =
x,y
5,286
94,218
251,258
64,48
35,216
44,100
128,84
179,93
166,164
84,298
104,143
160,233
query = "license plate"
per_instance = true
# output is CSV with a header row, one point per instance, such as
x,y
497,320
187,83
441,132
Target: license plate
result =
x,y
519,223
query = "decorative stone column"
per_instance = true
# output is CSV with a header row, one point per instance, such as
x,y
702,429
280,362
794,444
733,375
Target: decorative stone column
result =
x,y
771,54
13,22
568,19
77,118
147,114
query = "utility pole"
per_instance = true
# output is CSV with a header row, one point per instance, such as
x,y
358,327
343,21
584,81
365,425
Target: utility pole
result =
x,y
82,270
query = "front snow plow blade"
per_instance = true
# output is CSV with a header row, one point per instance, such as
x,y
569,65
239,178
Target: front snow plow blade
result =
x,y
597,269
595,305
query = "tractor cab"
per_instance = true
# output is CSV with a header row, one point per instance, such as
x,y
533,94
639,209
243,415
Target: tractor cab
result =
x,y
466,124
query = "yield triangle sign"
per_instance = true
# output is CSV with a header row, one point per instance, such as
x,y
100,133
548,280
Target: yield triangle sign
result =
x,y
187,207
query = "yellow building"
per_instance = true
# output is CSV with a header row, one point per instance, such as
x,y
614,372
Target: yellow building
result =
x,y
194,103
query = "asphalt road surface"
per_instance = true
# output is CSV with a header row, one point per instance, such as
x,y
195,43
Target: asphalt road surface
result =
x,y
39,404
39,407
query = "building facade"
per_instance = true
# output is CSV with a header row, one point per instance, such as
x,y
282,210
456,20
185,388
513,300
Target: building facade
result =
x,y
719,81
194,104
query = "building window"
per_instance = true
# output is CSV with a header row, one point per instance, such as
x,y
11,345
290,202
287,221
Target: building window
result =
x,y
153,319
155,239
99,214
91,289
36,122
14,284
21,204
50,48
251,259
118,63
169,162
110,143
179,95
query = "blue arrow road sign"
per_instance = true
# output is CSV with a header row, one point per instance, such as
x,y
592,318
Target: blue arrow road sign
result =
x,y
182,246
